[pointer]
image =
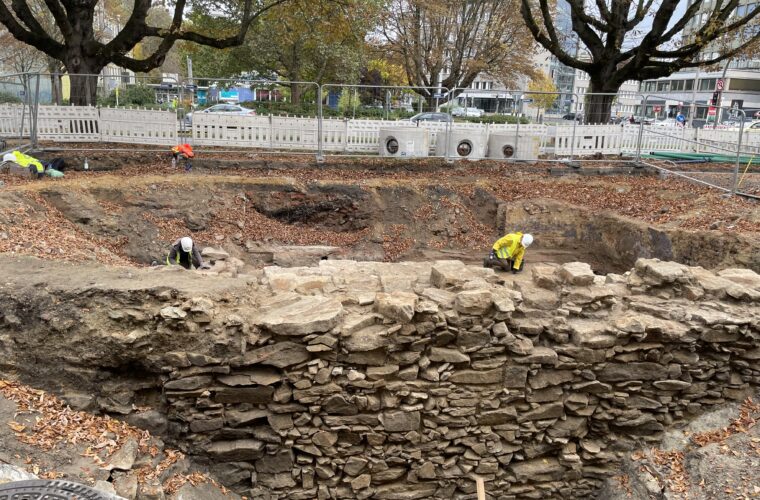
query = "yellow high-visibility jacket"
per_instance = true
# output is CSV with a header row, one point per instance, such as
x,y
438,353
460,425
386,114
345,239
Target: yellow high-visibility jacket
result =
x,y
510,247
26,160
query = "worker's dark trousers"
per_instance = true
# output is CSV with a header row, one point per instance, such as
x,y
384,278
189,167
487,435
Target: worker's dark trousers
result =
x,y
505,264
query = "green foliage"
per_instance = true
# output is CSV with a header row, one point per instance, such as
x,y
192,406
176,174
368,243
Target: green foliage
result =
x,y
133,95
9,98
509,119
348,101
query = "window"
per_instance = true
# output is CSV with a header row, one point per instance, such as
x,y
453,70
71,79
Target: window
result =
x,y
676,85
663,86
707,83
688,85
744,84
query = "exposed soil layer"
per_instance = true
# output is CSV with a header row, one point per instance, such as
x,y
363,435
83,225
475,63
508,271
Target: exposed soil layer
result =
x,y
371,210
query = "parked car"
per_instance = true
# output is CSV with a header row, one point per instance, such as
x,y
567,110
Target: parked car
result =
x,y
647,121
468,112
229,109
430,117
573,116
668,123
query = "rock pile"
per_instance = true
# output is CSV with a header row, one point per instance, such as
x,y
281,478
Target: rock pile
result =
x,y
222,264
402,381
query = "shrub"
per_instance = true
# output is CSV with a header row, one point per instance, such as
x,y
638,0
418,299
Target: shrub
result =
x,y
9,98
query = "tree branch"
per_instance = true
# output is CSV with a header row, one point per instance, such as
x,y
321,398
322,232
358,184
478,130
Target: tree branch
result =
x,y
41,40
59,14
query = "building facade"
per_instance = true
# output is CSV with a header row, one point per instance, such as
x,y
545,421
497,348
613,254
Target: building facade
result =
x,y
691,92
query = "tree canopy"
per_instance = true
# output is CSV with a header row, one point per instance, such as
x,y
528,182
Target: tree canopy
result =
x,y
619,40
541,82
307,40
76,40
449,42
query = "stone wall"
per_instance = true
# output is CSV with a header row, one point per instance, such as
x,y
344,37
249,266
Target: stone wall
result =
x,y
398,381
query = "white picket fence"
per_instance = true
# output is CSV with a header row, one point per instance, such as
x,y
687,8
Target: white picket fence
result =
x,y
358,136
91,124
616,139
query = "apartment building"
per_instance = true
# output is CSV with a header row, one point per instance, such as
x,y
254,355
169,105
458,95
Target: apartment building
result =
x,y
739,79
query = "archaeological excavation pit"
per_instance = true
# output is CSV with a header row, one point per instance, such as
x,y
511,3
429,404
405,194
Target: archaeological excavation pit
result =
x,y
347,343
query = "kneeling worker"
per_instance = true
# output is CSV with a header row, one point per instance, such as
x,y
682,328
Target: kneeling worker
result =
x,y
183,151
508,252
184,253
35,166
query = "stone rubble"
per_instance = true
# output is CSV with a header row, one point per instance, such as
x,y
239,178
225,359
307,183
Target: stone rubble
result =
x,y
338,382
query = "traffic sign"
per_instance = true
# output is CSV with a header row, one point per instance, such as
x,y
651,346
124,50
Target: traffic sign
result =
x,y
437,96
719,84
528,100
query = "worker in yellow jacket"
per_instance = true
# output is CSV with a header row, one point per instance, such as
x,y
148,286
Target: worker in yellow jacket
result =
x,y
508,252
35,166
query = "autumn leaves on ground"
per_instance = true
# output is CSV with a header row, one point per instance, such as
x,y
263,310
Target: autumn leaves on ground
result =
x,y
33,222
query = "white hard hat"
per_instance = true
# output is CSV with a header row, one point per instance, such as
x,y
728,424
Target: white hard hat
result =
x,y
187,243
9,157
527,239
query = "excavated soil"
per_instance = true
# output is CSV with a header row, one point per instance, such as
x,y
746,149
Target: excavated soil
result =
x,y
130,208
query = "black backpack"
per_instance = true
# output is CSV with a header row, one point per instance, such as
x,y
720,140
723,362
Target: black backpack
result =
x,y
56,164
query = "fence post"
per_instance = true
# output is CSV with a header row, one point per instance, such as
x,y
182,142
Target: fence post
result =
x,y
271,130
23,107
517,129
734,187
575,125
641,129
34,109
320,153
449,126
345,134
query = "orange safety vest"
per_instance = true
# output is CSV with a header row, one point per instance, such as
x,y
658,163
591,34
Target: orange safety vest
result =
x,y
185,150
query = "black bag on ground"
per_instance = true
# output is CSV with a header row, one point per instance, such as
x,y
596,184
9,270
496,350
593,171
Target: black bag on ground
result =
x,y
56,164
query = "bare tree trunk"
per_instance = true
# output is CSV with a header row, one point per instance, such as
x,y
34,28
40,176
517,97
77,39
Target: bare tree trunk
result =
x,y
55,89
84,89
598,106
295,94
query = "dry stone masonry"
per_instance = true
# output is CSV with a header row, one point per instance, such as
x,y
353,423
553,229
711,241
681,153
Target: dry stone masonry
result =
x,y
402,381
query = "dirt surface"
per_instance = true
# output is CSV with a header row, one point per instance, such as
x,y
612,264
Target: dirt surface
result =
x,y
714,456
129,212
45,437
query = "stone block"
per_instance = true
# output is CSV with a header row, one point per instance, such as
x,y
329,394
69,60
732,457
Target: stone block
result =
x,y
576,274
398,306
292,314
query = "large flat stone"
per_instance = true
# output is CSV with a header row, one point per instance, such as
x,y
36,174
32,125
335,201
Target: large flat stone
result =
x,y
576,273
442,354
657,272
238,450
476,377
400,421
473,301
746,277
367,339
254,395
294,314
536,468
449,273
398,306
280,355
619,372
